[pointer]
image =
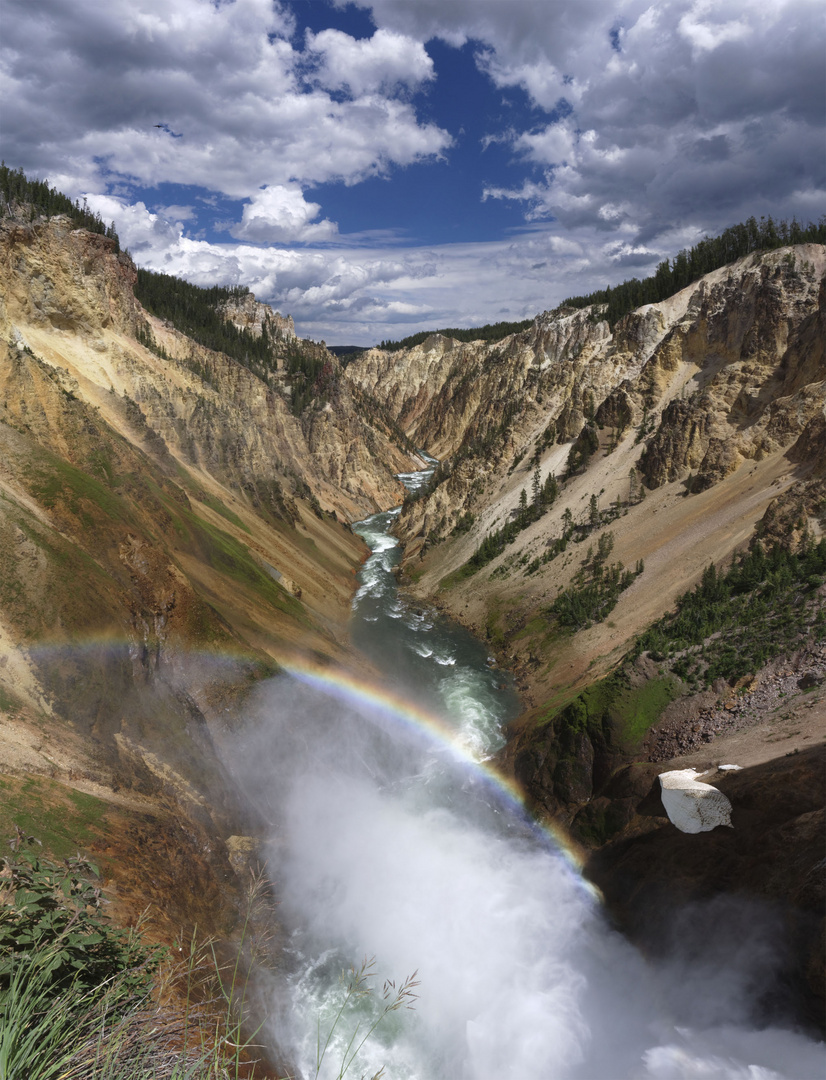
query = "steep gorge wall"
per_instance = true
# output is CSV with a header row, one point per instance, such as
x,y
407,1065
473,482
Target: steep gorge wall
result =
x,y
69,296
673,437
730,369
169,532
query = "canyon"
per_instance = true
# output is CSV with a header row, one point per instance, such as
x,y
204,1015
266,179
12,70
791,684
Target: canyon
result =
x,y
174,531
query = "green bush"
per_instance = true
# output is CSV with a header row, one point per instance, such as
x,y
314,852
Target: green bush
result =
x,y
58,908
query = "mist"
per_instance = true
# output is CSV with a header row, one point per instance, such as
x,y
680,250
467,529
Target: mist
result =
x,y
392,840
385,844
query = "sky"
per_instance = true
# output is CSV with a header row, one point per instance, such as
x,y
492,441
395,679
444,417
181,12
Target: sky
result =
x,y
385,166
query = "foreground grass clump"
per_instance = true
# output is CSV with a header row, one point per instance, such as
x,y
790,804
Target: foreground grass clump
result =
x,y
82,1000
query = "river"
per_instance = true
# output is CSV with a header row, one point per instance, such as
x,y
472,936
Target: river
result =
x,y
394,840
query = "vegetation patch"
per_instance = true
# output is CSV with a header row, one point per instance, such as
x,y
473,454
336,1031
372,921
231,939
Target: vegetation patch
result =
x,y
9,702
228,556
614,711
38,198
194,311
735,621
488,332
64,819
594,593
639,708
692,264
450,581
214,503
52,480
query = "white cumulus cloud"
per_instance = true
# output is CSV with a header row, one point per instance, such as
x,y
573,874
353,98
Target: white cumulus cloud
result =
x,y
281,214
383,62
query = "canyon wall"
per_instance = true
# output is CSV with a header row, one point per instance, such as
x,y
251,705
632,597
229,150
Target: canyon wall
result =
x,y
172,528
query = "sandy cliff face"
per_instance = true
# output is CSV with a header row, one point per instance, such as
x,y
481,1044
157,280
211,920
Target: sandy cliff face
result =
x,y
169,530
68,296
672,438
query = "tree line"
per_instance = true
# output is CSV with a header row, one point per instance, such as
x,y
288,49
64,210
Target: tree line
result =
x,y
691,264
737,619
488,332
194,311
17,190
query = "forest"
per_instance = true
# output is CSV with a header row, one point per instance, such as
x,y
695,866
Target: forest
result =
x,y
488,332
17,190
737,619
690,265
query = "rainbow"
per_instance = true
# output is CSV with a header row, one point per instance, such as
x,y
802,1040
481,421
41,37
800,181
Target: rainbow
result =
x,y
381,702
362,695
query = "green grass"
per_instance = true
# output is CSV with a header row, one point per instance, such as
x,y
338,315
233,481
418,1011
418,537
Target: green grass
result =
x,y
52,480
612,706
63,819
450,581
215,504
8,701
82,1000
72,588
228,556
212,501
639,708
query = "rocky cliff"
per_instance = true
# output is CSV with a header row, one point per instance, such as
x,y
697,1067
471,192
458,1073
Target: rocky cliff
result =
x,y
247,313
170,527
684,423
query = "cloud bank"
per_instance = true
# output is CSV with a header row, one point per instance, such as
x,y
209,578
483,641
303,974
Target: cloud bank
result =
x,y
626,130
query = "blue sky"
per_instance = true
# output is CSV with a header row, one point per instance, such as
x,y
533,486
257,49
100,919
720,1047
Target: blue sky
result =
x,y
380,167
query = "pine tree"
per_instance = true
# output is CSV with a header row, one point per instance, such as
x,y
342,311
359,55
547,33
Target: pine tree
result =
x,y
593,511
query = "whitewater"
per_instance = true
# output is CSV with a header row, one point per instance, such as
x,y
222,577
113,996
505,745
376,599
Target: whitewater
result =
x,y
393,839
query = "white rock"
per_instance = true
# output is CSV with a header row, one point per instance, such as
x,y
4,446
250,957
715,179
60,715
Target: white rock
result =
x,y
729,768
691,806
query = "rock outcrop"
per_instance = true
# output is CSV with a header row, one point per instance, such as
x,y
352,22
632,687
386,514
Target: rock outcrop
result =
x,y
247,313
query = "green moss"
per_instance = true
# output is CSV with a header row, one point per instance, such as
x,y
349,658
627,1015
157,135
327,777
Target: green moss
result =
x,y
63,819
639,708
611,705
449,581
52,479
